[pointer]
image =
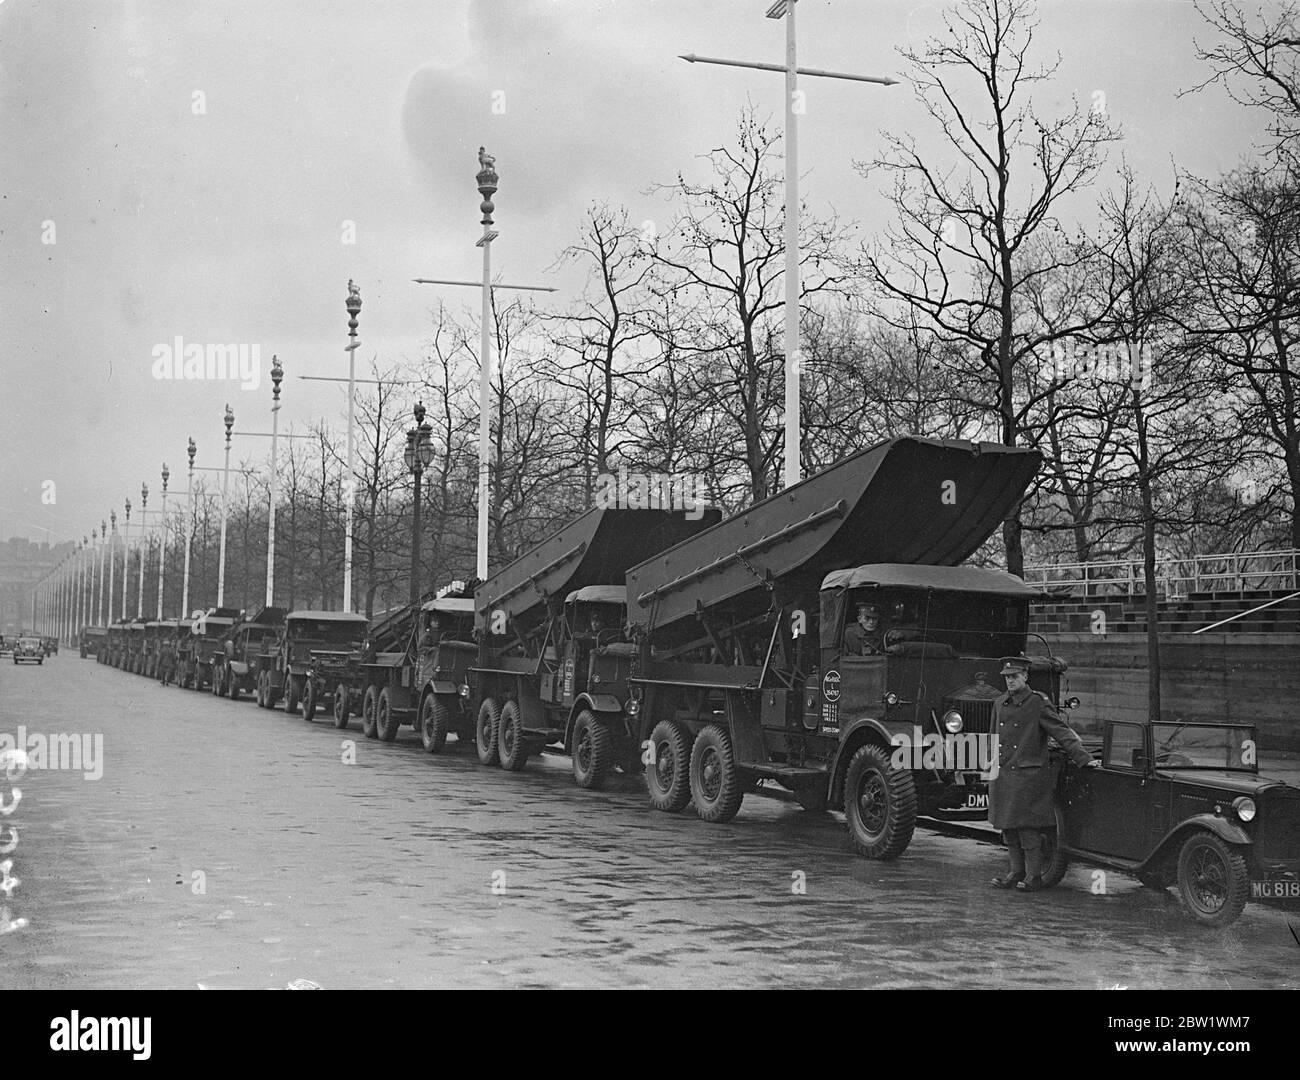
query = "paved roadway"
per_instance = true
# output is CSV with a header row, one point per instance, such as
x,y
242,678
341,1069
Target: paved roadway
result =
x,y
380,873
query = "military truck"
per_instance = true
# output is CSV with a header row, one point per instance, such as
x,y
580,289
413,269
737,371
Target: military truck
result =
x,y
446,651
134,658
116,643
529,653
92,641
243,650
379,679
742,675
311,657
169,638
149,649
195,650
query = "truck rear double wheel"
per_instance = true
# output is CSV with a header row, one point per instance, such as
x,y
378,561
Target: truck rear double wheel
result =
x,y
879,804
716,783
486,730
593,751
435,722
342,706
512,747
667,774
369,707
386,721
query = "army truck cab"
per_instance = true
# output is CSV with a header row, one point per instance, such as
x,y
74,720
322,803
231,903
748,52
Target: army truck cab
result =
x,y
134,660
312,655
446,650
206,632
244,648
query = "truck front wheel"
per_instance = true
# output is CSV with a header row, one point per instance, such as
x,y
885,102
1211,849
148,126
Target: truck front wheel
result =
x,y
593,751
435,722
309,700
879,805
293,694
369,707
485,732
342,706
667,774
715,781
386,723
512,749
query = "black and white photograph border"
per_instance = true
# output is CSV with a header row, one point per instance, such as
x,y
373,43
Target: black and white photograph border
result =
x,y
746,495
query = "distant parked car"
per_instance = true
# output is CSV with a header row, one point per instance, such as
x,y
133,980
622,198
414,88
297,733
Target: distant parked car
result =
x,y
6,644
1182,804
29,648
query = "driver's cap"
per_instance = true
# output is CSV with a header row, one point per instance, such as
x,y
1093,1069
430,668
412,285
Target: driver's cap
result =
x,y
1014,665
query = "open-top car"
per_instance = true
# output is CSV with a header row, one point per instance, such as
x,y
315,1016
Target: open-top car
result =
x,y
1180,803
27,649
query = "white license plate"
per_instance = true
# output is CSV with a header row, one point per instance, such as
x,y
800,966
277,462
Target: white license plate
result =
x,y
977,802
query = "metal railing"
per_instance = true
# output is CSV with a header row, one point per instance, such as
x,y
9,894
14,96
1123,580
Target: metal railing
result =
x,y
1236,571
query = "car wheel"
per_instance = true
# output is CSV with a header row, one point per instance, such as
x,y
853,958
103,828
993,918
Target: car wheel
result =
x,y
667,774
386,721
1055,861
342,710
486,730
369,705
309,700
293,693
879,805
435,722
512,748
1212,879
715,781
593,752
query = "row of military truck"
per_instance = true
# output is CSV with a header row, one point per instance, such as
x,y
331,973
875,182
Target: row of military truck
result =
x,y
709,655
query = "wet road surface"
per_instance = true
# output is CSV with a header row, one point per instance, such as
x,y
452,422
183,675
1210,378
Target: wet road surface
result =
x,y
226,846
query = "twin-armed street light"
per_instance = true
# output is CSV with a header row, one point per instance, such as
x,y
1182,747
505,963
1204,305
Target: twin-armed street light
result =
x,y
144,525
162,541
189,528
418,456
793,107
126,548
225,483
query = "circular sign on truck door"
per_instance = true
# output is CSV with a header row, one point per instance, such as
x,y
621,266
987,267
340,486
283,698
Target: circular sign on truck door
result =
x,y
831,685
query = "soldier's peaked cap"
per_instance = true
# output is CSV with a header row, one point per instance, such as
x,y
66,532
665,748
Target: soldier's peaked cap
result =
x,y
1012,665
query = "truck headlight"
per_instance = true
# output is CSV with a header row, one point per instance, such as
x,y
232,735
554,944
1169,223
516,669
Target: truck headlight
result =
x,y
464,690
633,707
891,698
1071,703
1244,808
952,721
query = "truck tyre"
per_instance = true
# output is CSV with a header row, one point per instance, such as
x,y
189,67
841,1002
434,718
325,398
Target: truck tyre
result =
x,y
667,775
263,690
512,748
1212,880
215,688
1055,861
435,722
309,700
342,706
593,752
485,731
369,706
386,721
715,780
293,694
879,805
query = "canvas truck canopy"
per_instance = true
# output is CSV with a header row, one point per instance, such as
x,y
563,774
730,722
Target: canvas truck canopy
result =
x,y
598,594
326,616
451,604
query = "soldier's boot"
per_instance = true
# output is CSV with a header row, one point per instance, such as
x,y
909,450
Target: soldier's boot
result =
x,y
1017,857
1032,842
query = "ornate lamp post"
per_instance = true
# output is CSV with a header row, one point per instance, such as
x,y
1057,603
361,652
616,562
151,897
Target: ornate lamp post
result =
x,y
162,541
83,584
487,185
353,306
225,481
126,555
103,607
144,502
189,528
419,455
93,595
112,516
277,375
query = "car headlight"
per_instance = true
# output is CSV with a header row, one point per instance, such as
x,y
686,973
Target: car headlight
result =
x,y
1071,703
952,721
464,690
1244,808
633,707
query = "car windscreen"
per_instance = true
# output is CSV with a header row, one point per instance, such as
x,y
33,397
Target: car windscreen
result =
x,y
1203,746
333,633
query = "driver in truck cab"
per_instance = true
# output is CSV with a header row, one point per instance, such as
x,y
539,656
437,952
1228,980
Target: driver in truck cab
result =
x,y
864,638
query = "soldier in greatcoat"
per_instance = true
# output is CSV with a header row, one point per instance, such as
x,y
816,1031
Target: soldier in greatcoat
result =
x,y
1020,794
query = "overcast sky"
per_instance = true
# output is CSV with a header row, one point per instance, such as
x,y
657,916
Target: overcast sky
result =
x,y
199,163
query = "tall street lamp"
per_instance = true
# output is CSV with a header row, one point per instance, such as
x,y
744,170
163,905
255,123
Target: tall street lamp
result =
x,y
277,375
144,547
126,550
353,305
189,528
162,541
112,516
93,595
225,482
419,455
487,179
103,606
